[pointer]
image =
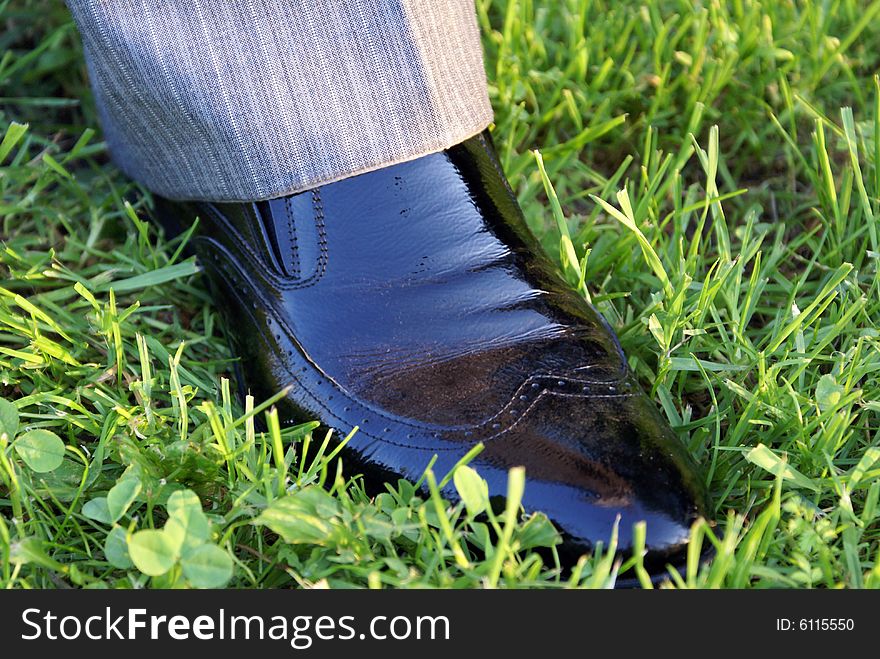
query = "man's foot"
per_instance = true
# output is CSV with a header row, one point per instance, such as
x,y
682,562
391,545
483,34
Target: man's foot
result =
x,y
415,303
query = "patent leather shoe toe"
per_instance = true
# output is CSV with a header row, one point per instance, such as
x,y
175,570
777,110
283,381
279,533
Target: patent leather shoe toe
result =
x,y
414,303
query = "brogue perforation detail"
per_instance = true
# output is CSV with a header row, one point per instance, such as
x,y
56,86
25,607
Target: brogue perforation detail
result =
x,y
508,416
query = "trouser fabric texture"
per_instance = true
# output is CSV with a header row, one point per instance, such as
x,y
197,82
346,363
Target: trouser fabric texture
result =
x,y
243,100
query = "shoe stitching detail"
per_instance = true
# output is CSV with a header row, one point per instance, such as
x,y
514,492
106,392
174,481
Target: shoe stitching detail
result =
x,y
291,236
301,387
620,381
468,433
323,248
283,283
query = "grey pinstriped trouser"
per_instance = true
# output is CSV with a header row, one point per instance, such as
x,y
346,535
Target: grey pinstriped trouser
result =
x,y
255,99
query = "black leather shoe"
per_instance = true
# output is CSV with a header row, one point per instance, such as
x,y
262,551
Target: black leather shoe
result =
x,y
414,302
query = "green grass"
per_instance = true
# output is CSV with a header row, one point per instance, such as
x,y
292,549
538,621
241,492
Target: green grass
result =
x,y
710,176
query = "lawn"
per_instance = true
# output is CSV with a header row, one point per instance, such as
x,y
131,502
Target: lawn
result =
x,y
709,176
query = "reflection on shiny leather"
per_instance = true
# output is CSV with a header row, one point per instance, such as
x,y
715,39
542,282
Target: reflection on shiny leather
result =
x,y
414,302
